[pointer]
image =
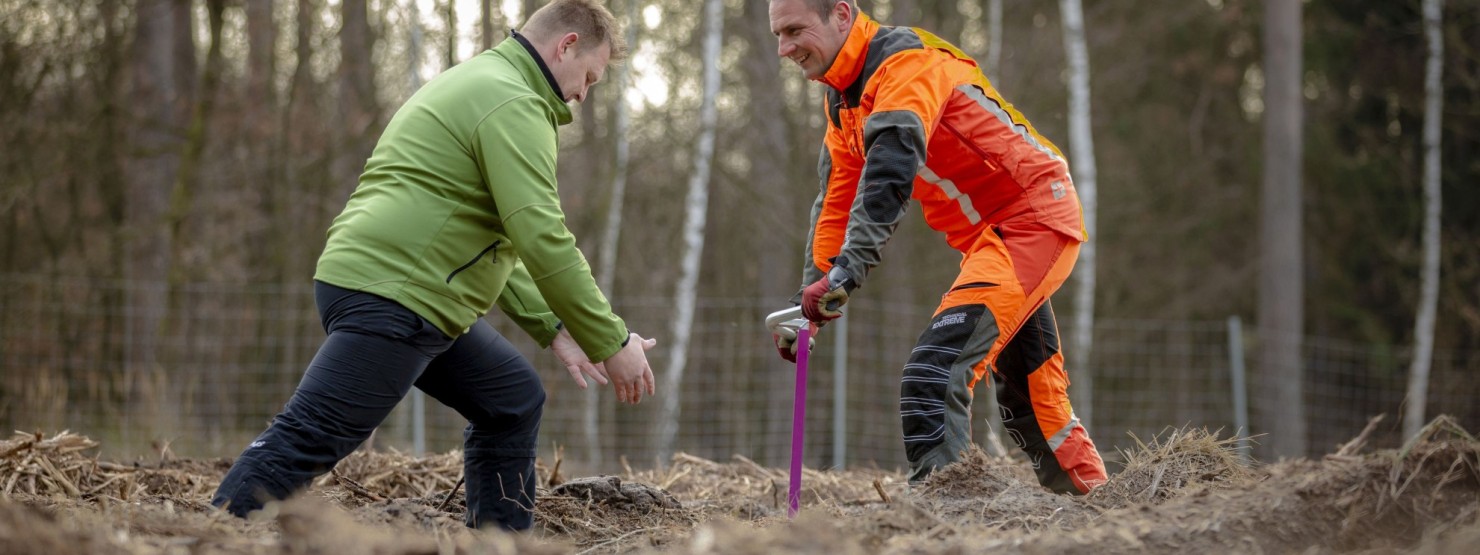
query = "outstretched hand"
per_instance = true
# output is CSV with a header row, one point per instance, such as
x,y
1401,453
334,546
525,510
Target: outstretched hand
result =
x,y
570,354
629,370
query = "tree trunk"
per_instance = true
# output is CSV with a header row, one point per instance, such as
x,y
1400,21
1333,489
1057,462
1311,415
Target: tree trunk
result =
x,y
1281,285
449,14
1428,303
294,194
260,98
181,198
1082,152
154,130
186,78
113,180
696,207
994,42
358,115
485,24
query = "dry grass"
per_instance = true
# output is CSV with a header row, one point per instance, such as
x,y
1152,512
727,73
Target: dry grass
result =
x,y
1181,462
1185,491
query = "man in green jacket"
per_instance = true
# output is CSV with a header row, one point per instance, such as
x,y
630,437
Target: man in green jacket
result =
x,y
457,212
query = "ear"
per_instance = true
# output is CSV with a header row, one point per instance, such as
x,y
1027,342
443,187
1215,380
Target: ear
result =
x,y
844,15
567,45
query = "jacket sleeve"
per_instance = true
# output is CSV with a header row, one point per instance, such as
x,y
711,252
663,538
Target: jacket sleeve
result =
x,y
517,146
838,169
522,302
907,101
810,271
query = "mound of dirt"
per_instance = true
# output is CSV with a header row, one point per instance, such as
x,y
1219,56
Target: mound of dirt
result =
x,y
26,529
745,490
1183,492
817,532
1183,463
981,489
1385,501
606,514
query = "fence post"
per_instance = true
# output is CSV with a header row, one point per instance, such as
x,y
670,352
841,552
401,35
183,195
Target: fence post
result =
x,y
418,422
1240,394
840,395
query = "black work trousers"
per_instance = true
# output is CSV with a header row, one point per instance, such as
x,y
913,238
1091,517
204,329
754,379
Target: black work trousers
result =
x,y
375,352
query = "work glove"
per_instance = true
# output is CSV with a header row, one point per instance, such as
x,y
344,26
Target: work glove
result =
x,y
822,299
787,346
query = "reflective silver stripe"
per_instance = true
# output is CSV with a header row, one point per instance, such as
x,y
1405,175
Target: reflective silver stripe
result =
x,y
933,369
949,188
996,109
933,348
922,401
940,432
1061,436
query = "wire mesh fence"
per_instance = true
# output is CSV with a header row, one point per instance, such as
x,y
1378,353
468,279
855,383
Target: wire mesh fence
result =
x,y
206,371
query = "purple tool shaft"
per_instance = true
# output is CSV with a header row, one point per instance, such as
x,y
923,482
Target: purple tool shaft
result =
x,y
798,422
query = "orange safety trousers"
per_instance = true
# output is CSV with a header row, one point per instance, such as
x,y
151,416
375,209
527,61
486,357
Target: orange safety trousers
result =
x,y
997,316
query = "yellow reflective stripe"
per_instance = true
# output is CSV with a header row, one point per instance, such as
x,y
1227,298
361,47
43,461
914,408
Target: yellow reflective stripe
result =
x,y
929,39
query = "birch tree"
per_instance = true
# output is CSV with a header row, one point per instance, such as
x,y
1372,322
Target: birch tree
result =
x,y
695,208
1428,302
1082,152
1281,285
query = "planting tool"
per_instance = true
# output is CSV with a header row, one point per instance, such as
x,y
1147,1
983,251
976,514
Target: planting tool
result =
x,y
789,324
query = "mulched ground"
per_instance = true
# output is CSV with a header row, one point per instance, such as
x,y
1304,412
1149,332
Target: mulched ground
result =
x,y
1183,492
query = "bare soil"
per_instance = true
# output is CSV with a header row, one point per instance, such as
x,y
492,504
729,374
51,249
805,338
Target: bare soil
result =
x,y
1183,492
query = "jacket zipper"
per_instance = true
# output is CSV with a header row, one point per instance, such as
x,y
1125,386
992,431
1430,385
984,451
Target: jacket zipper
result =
x,y
475,260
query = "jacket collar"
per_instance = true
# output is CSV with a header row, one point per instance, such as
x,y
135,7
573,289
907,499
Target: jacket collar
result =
x,y
519,52
849,63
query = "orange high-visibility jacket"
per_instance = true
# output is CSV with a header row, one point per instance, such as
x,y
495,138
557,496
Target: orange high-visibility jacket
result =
x,y
911,116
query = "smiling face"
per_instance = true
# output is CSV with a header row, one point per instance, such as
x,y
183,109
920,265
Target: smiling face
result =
x,y
807,38
577,67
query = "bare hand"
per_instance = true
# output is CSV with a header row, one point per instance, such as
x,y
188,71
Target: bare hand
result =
x,y
629,370
570,354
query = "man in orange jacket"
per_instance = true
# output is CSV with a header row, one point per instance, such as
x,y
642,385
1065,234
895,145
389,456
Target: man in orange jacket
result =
x,y
912,117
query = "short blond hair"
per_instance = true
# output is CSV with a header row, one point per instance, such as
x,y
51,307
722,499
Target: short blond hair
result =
x,y
824,8
587,18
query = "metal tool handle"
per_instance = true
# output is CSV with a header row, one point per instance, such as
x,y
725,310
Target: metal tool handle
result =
x,y
785,323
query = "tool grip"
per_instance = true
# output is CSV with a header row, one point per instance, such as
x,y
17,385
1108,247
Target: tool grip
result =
x,y
785,323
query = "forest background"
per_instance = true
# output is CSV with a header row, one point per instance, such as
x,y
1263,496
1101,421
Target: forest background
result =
x,y
168,169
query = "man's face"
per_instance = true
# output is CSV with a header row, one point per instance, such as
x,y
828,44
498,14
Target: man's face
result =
x,y
808,39
576,69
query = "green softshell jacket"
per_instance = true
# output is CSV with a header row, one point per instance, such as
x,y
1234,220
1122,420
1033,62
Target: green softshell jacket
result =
x,y
457,209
